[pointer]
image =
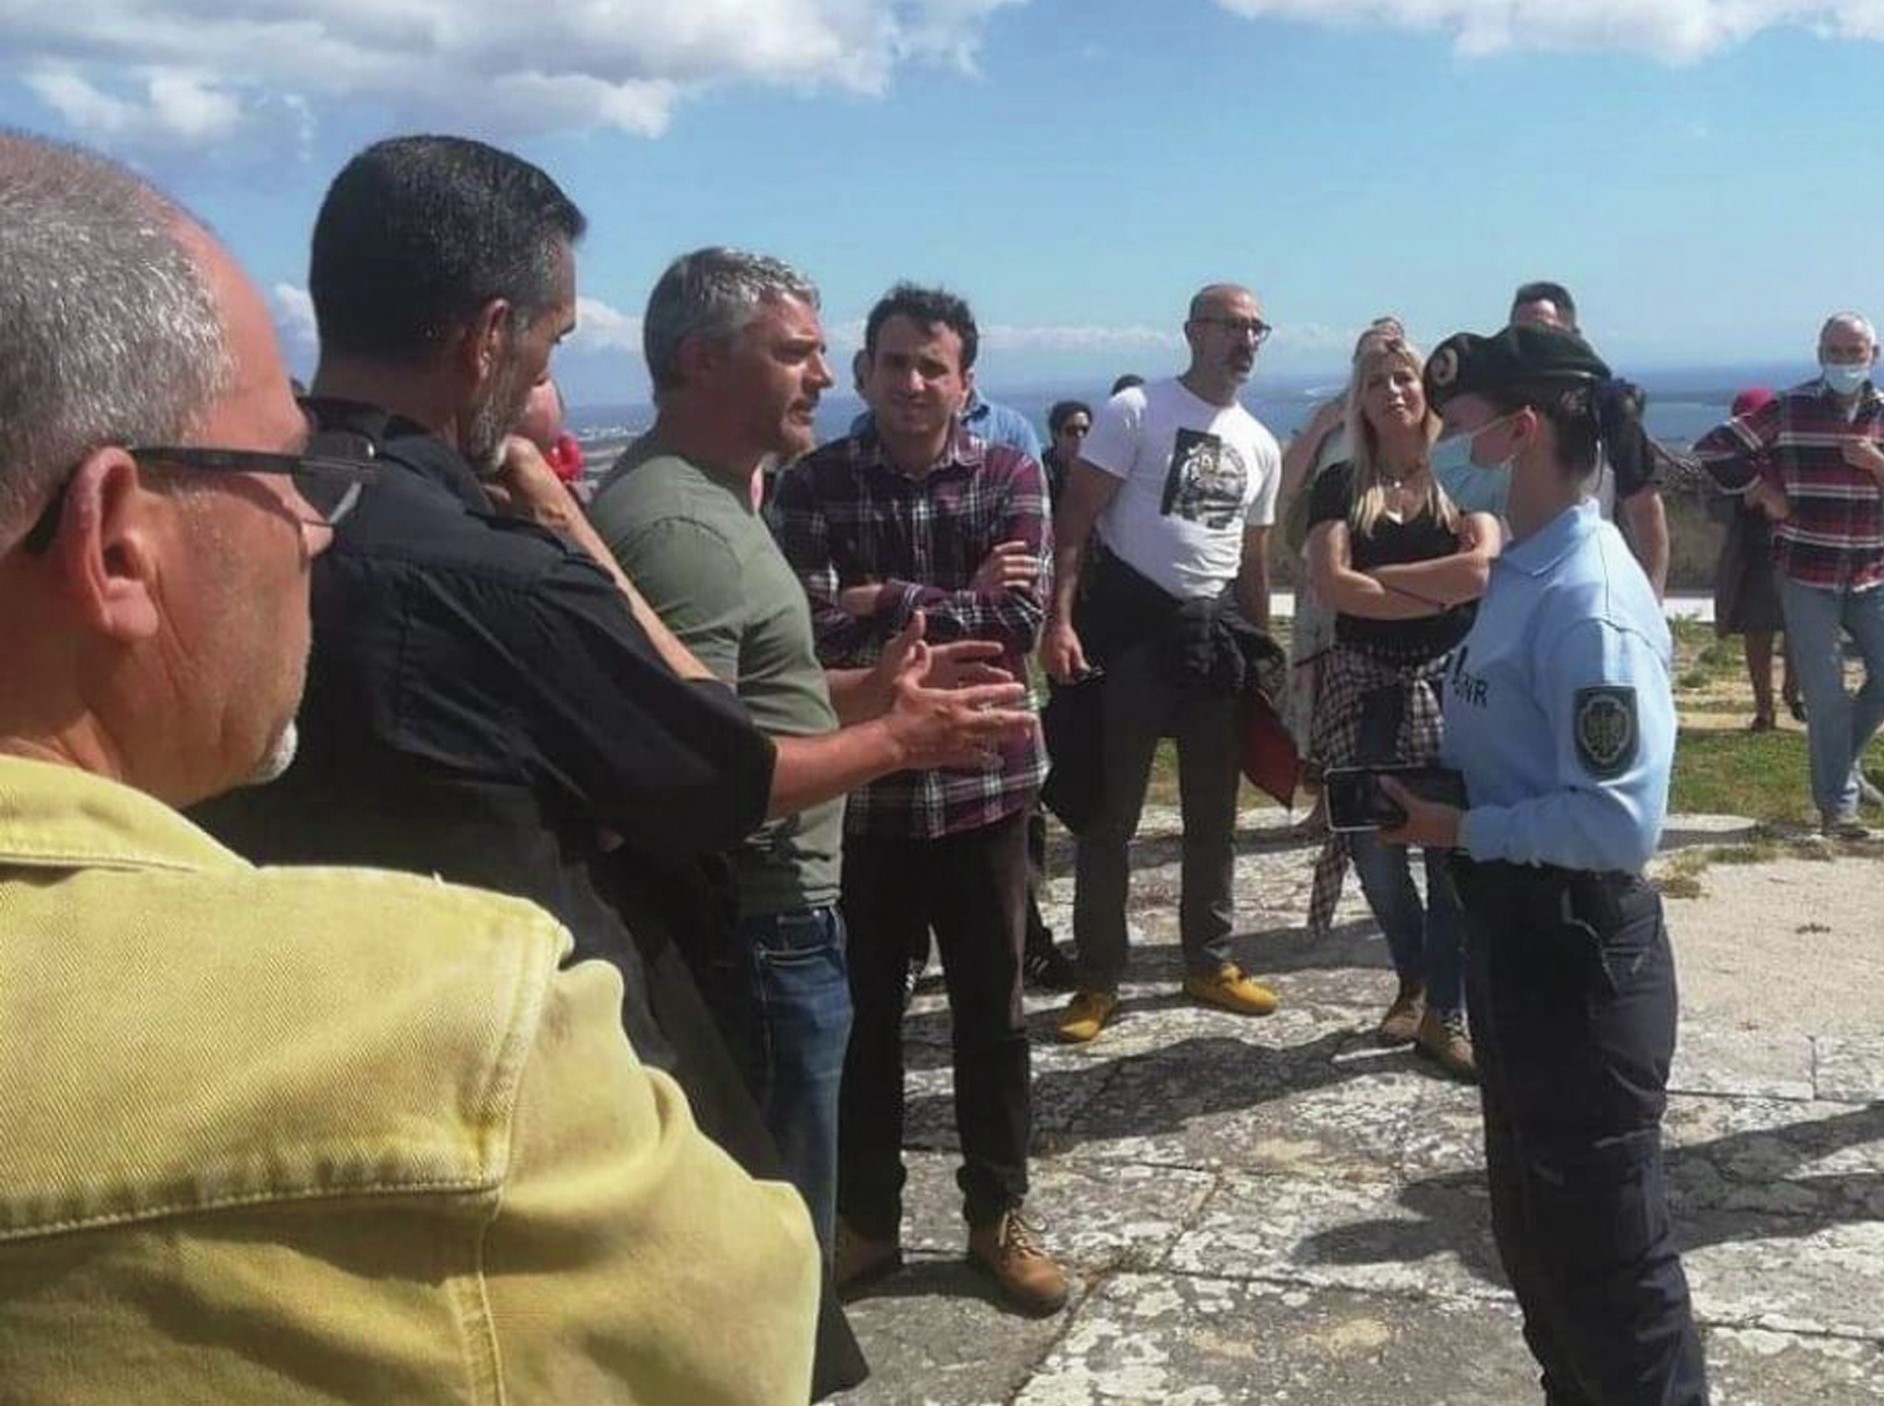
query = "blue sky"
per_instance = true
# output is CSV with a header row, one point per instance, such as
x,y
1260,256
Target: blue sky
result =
x,y
1695,170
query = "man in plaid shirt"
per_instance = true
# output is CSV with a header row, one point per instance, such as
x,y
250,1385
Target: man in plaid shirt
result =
x,y
1812,458
916,514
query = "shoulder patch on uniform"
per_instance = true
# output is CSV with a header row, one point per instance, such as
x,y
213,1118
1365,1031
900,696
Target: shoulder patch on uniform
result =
x,y
1606,728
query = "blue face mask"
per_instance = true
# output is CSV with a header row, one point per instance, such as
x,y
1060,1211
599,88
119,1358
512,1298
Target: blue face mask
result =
x,y
1472,488
1845,378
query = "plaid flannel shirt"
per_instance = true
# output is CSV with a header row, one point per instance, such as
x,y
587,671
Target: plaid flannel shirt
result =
x,y
844,517
1348,675
1835,536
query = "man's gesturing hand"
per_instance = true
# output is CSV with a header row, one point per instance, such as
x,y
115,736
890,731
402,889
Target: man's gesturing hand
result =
x,y
941,726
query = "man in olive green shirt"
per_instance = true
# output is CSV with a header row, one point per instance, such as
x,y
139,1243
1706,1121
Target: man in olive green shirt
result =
x,y
284,1136
737,355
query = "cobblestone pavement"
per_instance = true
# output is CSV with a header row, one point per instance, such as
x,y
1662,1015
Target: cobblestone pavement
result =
x,y
1277,1211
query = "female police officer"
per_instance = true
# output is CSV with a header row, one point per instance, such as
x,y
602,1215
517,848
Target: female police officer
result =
x,y
1558,712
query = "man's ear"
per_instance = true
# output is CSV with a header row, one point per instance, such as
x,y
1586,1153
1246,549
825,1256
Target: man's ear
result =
x,y
699,357
968,388
109,547
486,336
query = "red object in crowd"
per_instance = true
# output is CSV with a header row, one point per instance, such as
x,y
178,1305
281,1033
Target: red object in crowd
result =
x,y
565,457
1752,399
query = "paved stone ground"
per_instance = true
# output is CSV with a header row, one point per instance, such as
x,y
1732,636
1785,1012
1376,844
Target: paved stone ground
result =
x,y
1276,1211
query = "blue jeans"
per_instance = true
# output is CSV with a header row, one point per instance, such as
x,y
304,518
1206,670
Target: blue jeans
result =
x,y
1424,940
1838,726
797,1018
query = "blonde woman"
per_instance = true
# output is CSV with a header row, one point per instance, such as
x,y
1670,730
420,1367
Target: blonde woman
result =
x,y
1401,567
1315,448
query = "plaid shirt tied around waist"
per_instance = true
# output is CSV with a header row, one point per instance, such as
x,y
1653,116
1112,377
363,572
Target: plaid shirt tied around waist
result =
x,y
1348,676
844,517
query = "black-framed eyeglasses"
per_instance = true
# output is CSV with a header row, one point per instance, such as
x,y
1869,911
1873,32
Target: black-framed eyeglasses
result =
x,y
328,475
1241,327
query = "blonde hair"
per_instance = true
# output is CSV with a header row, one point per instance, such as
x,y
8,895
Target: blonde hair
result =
x,y
1370,484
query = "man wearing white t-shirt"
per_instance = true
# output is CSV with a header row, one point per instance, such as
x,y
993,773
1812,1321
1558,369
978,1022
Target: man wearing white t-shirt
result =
x,y
1179,482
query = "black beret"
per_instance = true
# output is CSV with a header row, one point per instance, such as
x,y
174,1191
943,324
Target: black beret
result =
x,y
1527,354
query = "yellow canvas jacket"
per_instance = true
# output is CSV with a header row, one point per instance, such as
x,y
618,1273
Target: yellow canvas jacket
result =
x,y
323,1135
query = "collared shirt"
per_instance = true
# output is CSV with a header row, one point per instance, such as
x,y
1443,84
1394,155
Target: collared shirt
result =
x,y
299,1136
1558,707
1834,538
844,517
480,704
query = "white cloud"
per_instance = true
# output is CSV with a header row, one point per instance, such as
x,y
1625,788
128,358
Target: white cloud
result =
x,y
131,73
600,327
294,314
1675,30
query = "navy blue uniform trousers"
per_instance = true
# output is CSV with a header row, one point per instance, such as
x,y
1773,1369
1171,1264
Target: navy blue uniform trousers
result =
x,y
1571,985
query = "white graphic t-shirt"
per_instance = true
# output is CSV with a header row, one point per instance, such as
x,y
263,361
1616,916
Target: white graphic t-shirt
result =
x,y
1194,475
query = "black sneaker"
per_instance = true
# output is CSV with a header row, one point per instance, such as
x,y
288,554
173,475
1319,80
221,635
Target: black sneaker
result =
x,y
1047,968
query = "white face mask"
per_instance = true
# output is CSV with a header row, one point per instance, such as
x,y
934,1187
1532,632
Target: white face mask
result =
x,y
1845,377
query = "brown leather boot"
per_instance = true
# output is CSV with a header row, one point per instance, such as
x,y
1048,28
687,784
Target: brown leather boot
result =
x,y
1010,1250
1401,1024
1443,1040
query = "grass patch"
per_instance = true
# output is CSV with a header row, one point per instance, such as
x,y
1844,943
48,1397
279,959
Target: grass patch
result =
x,y
1761,775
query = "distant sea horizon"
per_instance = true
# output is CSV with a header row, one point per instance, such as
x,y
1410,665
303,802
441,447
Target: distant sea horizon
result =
x,y
1683,402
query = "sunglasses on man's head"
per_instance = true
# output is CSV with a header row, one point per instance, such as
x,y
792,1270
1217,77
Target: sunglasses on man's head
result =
x,y
328,475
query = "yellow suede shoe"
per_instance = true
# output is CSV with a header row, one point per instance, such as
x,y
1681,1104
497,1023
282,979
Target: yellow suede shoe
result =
x,y
1230,988
1085,1016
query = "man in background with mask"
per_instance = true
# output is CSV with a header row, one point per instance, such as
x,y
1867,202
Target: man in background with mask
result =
x,y
1812,459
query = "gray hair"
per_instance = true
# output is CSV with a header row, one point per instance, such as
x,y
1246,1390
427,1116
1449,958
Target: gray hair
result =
x,y
109,333
712,293
1854,321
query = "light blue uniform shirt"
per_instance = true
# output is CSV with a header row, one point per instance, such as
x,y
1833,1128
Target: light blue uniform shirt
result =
x,y
1558,705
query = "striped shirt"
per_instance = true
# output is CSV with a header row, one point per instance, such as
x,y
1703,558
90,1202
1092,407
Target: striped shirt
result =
x,y
845,518
1835,536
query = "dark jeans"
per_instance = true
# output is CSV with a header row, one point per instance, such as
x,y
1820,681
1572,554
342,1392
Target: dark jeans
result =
x,y
1572,989
797,1001
1141,704
971,888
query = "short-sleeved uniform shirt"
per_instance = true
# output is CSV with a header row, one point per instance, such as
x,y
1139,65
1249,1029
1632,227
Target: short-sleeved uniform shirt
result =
x,y
1193,476
1558,705
1390,543
694,546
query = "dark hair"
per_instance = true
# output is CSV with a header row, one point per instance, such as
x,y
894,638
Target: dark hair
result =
x,y
1584,416
417,234
1544,291
1126,382
1064,410
927,308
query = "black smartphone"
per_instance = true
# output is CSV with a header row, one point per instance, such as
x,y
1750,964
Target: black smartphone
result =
x,y
1357,800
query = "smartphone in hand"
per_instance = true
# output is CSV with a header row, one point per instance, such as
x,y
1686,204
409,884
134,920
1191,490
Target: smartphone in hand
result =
x,y
1357,801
